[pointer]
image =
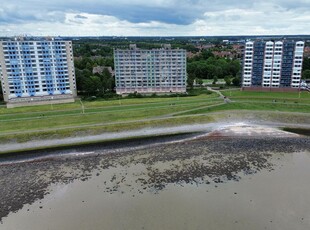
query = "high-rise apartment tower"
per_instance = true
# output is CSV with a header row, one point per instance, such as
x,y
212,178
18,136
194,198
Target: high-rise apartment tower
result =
x,y
272,64
37,72
150,71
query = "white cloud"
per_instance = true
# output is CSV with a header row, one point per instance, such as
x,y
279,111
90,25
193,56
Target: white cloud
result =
x,y
154,18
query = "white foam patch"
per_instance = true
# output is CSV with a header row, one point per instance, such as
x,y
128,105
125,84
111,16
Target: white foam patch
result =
x,y
242,129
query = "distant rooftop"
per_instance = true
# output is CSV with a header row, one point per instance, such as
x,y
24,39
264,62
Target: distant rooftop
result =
x,y
31,38
163,46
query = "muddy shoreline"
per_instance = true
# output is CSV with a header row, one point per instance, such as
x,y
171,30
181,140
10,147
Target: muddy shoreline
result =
x,y
202,160
83,149
144,133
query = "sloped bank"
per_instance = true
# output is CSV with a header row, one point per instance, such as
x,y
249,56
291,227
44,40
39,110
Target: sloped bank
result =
x,y
155,127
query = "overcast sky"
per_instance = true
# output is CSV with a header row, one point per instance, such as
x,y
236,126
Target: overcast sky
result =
x,y
154,17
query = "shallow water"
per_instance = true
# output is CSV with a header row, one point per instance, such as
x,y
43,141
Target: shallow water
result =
x,y
275,197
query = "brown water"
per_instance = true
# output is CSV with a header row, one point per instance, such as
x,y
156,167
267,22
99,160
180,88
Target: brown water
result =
x,y
114,198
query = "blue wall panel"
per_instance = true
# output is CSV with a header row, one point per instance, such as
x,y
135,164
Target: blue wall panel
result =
x,y
287,63
258,63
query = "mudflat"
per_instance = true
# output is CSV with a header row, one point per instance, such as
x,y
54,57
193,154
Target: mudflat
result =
x,y
238,177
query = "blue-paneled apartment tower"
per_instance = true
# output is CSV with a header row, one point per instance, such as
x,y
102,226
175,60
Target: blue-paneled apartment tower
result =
x,y
37,71
272,65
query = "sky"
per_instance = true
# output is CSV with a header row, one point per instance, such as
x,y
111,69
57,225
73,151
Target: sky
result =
x,y
154,17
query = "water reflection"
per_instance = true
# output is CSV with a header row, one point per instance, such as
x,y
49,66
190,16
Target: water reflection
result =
x,y
202,183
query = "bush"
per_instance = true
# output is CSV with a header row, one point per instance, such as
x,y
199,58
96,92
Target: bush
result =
x,y
227,80
135,95
214,80
236,81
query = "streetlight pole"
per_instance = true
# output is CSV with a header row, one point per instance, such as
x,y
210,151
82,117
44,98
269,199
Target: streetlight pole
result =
x,y
82,105
299,88
52,103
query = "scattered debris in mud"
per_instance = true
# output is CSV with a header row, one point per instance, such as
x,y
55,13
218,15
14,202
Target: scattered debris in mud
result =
x,y
198,161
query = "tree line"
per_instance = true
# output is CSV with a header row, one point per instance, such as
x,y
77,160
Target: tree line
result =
x,y
306,68
207,66
89,48
94,84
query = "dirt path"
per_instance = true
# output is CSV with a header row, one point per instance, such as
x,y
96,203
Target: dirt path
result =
x,y
216,91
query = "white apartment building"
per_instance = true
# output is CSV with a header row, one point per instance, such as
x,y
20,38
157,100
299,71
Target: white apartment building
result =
x,y
37,72
273,64
150,71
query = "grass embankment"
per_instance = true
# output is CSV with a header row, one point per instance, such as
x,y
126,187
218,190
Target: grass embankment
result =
x,y
261,101
67,120
97,144
64,120
271,95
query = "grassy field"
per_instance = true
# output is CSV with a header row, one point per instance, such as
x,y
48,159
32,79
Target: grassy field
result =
x,y
210,81
258,106
65,120
261,101
237,94
24,122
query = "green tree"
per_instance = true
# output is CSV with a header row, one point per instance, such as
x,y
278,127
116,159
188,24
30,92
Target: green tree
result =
x,y
199,82
206,66
92,85
214,80
211,71
306,74
79,79
107,81
1,95
190,80
202,70
89,66
306,63
205,54
236,81
109,62
227,80
234,67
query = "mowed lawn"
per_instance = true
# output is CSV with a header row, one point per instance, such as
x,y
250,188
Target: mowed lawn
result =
x,y
247,95
51,116
261,101
274,101
65,120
